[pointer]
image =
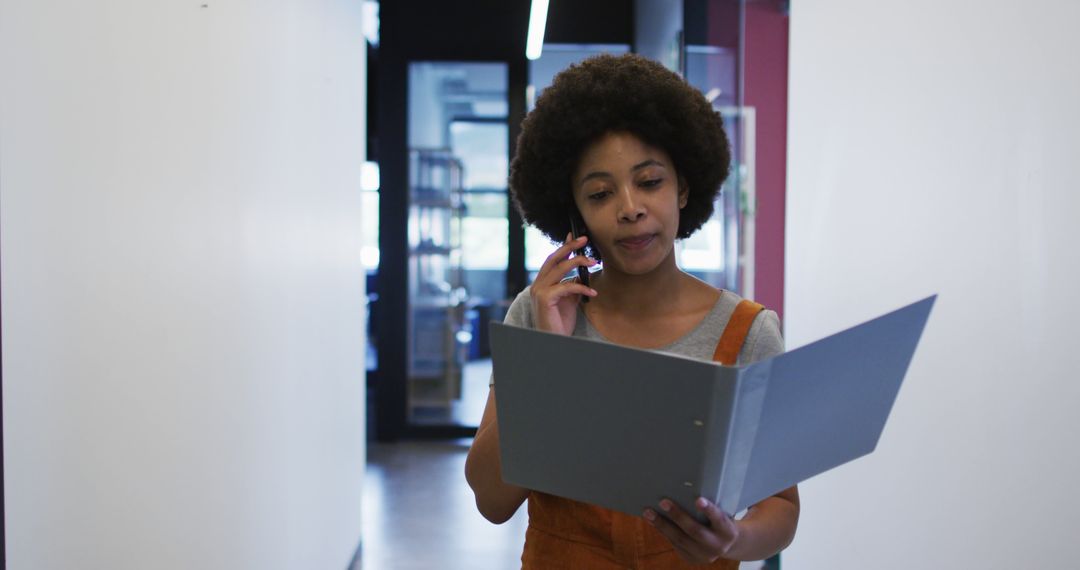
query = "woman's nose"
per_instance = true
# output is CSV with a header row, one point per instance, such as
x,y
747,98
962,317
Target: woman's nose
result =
x,y
631,208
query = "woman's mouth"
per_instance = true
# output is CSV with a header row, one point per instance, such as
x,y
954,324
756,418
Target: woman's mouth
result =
x,y
636,242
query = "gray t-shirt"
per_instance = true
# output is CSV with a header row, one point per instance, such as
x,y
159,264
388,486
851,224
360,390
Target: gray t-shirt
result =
x,y
762,341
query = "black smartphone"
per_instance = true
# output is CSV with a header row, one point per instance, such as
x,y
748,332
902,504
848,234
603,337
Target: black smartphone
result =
x,y
576,226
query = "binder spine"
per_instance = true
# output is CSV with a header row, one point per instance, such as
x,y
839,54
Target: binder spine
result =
x,y
749,400
717,432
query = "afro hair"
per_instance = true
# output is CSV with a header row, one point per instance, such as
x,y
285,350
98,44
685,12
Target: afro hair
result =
x,y
625,93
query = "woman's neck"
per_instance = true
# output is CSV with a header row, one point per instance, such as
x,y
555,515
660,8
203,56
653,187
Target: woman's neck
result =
x,y
658,291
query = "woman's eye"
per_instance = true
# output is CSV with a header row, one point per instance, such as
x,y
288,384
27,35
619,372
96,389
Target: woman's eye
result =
x,y
598,195
652,183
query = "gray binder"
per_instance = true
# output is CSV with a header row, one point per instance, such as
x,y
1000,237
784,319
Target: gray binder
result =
x,y
622,428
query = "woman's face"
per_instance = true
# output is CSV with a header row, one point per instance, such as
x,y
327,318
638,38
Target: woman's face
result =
x,y
629,195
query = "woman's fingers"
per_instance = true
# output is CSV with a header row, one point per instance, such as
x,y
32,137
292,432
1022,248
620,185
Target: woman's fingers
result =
x,y
701,542
560,255
551,295
691,550
721,524
686,522
565,266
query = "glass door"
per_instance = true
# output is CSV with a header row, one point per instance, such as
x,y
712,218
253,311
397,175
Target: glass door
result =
x,y
458,142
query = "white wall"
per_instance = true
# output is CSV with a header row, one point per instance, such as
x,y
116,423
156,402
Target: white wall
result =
x,y
182,288
934,148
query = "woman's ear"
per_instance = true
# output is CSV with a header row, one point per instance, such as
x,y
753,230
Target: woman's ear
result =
x,y
684,192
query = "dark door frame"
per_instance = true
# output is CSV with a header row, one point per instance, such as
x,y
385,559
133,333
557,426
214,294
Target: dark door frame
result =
x,y
426,30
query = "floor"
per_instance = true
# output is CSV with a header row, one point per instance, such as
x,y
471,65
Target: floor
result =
x,y
419,513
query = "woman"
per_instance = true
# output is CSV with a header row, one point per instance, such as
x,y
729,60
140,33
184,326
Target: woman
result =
x,y
629,149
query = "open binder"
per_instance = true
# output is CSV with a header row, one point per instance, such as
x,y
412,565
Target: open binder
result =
x,y
622,428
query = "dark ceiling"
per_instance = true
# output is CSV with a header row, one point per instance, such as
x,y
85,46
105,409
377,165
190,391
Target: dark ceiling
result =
x,y
490,28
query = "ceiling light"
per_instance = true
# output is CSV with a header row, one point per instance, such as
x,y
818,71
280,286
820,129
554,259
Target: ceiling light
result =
x,y
537,23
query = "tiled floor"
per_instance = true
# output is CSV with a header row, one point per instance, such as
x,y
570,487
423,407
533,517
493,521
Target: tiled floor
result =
x,y
419,513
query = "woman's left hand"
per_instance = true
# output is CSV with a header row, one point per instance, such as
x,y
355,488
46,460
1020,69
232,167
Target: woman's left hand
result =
x,y
696,543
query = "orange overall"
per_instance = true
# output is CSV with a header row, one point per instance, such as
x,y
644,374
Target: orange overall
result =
x,y
568,534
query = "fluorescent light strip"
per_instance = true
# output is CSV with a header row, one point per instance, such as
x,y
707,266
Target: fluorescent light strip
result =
x,y
537,23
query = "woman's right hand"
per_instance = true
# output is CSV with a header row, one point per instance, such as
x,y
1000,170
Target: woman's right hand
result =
x,y
554,301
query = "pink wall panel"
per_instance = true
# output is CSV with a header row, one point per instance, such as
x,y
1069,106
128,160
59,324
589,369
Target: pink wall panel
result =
x,y
766,89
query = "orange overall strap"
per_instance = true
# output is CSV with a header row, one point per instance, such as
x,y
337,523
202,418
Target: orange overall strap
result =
x,y
731,341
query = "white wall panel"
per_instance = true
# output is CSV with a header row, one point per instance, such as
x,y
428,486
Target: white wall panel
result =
x,y
933,148
183,295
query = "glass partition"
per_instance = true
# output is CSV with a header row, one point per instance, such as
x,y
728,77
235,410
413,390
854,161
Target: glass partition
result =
x,y
457,235
715,253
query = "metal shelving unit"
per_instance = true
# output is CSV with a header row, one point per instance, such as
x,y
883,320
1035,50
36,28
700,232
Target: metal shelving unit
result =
x,y
436,284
